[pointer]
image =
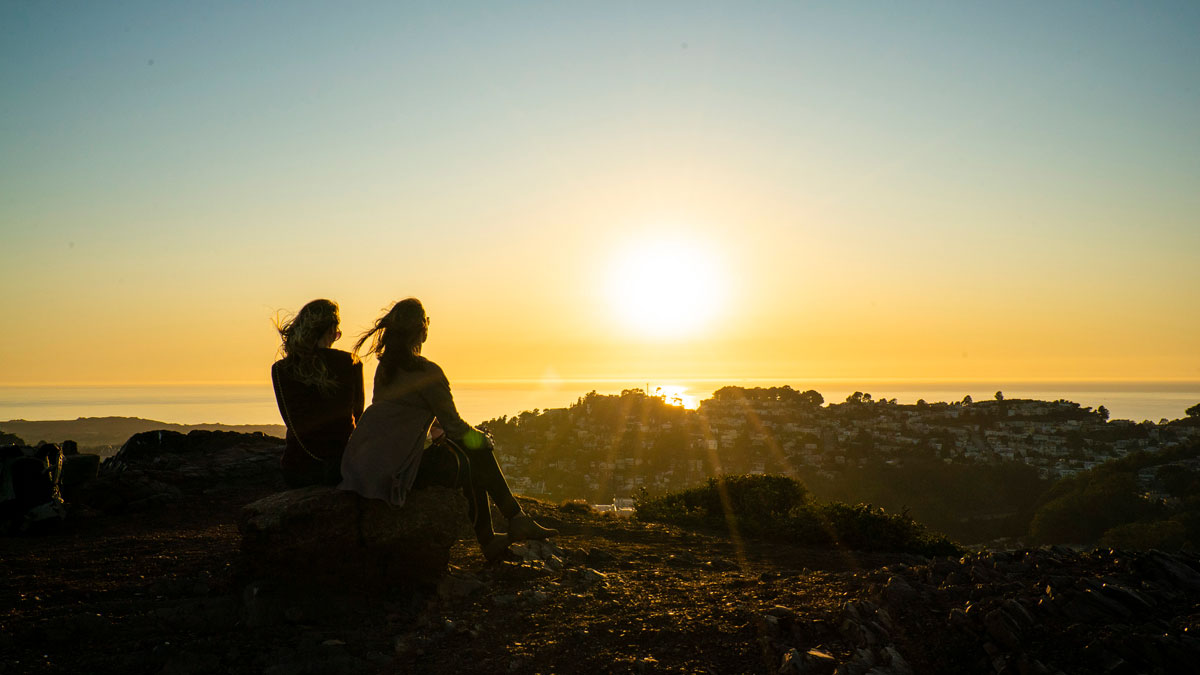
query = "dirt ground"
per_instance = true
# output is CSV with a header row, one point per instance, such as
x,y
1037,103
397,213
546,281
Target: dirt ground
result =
x,y
161,592
164,592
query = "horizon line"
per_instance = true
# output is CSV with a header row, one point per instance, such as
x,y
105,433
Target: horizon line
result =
x,y
636,380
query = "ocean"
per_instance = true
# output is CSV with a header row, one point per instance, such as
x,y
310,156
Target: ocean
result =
x,y
481,400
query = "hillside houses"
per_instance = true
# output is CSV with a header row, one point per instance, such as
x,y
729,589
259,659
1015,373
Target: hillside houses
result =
x,y
606,446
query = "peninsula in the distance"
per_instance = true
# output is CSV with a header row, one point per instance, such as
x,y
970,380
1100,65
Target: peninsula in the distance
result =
x,y
105,435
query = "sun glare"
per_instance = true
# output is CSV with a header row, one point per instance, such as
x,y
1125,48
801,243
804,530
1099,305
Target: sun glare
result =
x,y
665,288
676,395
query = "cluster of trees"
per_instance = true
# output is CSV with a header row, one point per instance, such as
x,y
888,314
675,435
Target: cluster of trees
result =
x,y
785,394
1111,505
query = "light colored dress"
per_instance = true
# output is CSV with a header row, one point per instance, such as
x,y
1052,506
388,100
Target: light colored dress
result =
x,y
384,452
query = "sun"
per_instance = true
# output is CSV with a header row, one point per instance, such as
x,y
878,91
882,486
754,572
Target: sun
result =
x,y
666,287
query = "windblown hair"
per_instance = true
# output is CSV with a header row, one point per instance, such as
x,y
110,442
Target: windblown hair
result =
x,y
300,336
396,338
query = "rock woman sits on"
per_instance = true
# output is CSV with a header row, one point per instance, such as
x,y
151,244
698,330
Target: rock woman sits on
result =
x,y
393,451
319,391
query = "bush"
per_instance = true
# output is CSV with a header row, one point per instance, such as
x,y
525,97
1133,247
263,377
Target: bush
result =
x,y
863,528
780,507
757,504
576,506
1167,535
1090,505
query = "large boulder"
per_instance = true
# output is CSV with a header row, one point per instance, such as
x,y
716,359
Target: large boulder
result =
x,y
157,467
338,539
77,470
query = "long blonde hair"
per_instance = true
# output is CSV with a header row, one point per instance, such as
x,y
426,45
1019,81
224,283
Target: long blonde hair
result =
x,y
396,338
301,335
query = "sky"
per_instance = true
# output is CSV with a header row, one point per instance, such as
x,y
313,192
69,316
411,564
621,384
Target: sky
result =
x,y
652,190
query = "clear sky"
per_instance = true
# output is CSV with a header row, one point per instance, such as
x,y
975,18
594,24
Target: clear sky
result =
x,y
642,189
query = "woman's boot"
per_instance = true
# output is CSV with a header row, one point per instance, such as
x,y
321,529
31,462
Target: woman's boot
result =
x,y
496,550
522,527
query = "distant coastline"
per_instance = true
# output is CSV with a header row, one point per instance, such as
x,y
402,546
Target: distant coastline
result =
x,y
105,435
253,405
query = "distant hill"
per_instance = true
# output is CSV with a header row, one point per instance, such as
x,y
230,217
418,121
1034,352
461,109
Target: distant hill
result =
x,y
97,434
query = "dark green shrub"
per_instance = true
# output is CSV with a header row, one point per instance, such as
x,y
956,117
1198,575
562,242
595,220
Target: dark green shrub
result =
x,y
1167,535
781,508
756,504
863,528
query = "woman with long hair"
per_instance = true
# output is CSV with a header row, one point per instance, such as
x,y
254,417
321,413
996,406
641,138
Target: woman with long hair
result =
x,y
393,451
319,391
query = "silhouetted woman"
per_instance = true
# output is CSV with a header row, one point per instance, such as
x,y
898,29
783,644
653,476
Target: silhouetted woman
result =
x,y
391,451
319,391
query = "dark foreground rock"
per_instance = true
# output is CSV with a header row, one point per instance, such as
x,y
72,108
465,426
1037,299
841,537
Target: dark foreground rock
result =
x,y
154,468
336,539
1047,610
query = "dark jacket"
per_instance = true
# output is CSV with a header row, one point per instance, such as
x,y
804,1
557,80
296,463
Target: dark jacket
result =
x,y
318,423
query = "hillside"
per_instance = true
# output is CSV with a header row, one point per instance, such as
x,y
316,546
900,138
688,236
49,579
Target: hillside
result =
x,y
974,470
159,590
104,435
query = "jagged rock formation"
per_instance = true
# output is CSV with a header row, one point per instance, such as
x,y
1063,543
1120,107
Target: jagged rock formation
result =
x,y
1036,611
158,467
331,538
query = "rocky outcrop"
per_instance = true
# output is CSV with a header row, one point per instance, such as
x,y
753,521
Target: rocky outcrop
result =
x,y
158,467
1046,610
30,496
337,539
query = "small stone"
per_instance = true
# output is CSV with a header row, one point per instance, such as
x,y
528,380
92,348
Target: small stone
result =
x,y
959,618
1002,629
792,662
899,592
896,662
455,586
590,577
818,662
1017,612
599,556
863,657
781,612
533,597
1128,597
768,625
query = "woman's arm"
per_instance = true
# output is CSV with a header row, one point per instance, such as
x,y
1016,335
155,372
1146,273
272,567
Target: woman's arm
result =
x,y
359,395
441,401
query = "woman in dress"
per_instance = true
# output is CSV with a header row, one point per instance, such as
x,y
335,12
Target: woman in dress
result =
x,y
392,452
319,391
